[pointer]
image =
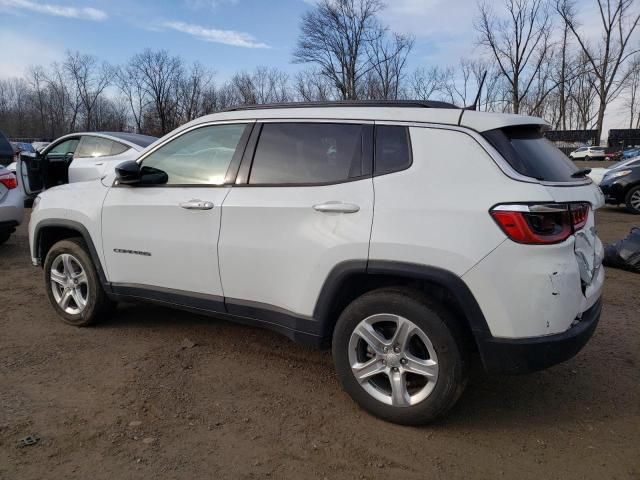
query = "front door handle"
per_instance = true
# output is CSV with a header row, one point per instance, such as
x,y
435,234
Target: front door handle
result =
x,y
336,207
97,164
197,205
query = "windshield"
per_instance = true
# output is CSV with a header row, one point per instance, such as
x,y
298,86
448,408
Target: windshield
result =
x,y
531,154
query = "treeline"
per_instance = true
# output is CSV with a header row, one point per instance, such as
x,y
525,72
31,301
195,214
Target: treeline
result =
x,y
537,59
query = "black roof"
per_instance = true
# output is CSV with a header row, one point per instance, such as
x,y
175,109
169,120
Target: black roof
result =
x,y
136,138
349,103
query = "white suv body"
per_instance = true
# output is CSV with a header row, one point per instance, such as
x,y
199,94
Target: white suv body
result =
x,y
588,153
301,219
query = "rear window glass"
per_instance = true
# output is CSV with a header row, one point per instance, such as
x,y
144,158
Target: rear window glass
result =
x,y
118,148
532,155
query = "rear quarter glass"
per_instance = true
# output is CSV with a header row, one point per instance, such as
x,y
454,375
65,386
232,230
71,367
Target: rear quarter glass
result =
x,y
531,154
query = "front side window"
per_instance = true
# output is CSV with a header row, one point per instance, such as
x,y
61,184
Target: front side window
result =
x,y
94,147
64,148
307,153
393,149
199,157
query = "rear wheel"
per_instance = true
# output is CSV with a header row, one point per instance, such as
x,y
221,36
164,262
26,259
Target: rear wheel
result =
x,y
399,356
4,236
73,286
587,158
632,200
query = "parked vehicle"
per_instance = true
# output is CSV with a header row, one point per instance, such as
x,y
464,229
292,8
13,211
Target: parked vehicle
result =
x,y
622,186
597,174
11,204
24,148
78,157
267,216
39,146
630,152
588,153
6,151
613,156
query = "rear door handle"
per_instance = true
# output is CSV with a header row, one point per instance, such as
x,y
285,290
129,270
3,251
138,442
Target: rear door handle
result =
x,y
336,207
197,205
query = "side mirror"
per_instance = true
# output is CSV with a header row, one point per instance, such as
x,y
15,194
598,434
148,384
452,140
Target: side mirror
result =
x,y
128,173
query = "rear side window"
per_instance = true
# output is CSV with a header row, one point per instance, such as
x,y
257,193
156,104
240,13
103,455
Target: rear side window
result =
x,y
393,149
307,153
93,147
117,148
532,155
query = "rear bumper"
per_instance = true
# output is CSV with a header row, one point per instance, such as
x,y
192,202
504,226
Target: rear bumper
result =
x,y
523,355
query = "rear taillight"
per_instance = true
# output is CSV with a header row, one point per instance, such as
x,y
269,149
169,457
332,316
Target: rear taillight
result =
x,y
541,224
8,180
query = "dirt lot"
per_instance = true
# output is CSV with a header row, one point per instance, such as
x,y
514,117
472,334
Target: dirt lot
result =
x,y
126,400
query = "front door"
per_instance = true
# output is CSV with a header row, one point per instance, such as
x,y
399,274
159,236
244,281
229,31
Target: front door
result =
x,y
164,238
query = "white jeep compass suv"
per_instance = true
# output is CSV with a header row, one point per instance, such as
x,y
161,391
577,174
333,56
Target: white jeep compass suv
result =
x,y
411,237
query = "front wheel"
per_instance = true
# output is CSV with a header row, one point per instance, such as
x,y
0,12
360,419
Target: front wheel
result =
x,y
587,158
73,286
400,356
632,200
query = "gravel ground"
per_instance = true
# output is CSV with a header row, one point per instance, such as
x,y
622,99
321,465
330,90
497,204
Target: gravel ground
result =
x,y
157,393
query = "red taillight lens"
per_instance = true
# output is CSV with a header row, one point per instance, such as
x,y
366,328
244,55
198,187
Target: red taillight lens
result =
x,y
579,215
8,180
540,224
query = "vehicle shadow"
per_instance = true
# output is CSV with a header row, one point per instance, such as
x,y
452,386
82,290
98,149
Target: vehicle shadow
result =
x,y
567,394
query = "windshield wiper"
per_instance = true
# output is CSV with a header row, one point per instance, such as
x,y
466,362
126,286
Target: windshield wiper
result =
x,y
583,172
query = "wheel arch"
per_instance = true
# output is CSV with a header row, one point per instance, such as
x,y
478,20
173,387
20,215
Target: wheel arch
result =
x,y
50,231
349,280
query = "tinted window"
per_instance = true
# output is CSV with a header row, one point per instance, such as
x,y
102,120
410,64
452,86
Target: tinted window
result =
x,y
117,148
299,153
393,149
93,147
532,155
201,156
68,146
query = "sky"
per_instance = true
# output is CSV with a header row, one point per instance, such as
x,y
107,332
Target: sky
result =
x,y
224,35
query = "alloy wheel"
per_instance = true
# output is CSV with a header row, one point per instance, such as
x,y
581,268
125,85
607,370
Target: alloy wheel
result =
x,y
69,284
635,200
393,360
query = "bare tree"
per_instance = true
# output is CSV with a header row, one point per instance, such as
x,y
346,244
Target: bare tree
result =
x,y
160,75
632,101
91,79
520,44
607,57
388,59
335,36
309,86
426,83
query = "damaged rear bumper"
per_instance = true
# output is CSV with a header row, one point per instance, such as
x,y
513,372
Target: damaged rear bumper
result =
x,y
523,355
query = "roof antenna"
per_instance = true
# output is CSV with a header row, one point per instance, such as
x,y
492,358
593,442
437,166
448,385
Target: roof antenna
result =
x,y
475,102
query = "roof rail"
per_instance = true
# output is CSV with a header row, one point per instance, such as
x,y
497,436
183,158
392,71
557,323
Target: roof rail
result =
x,y
348,103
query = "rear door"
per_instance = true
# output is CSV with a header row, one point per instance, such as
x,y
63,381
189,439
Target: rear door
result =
x,y
303,203
89,159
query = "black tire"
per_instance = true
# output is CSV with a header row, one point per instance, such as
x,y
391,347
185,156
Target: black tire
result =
x,y
98,305
441,328
4,236
633,192
587,158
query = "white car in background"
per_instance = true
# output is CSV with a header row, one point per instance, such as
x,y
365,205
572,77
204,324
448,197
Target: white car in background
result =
x,y
78,157
11,204
597,174
587,153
